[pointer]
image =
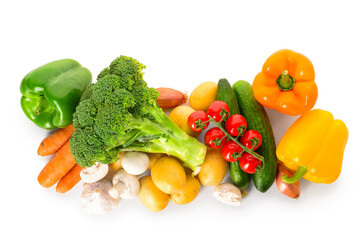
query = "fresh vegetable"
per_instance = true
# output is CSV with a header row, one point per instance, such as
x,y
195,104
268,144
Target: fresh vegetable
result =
x,y
94,173
57,167
188,193
125,185
218,139
225,93
257,119
55,141
119,113
203,95
168,175
198,121
291,190
286,83
251,139
215,138
151,196
70,179
236,125
313,147
170,98
52,92
179,116
135,163
218,110
95,197
249,163
228,193
214,168
231,151
153,157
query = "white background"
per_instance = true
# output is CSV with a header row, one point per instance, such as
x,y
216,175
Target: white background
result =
x,y
183,44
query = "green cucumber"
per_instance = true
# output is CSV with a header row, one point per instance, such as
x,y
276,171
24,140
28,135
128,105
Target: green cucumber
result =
x,y
226,94
257,119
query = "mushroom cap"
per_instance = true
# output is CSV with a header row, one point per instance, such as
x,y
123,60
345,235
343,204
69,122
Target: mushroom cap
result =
x,y
135,163
228,193
94,173
95,197
125,185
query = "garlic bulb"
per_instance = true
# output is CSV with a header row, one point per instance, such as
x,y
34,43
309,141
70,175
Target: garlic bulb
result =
x,y
96,199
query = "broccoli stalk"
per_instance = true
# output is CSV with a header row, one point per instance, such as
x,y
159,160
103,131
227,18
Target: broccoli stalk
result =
x,y
119,113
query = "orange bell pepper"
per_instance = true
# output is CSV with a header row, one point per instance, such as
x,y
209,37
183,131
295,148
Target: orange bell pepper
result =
x,y
286,83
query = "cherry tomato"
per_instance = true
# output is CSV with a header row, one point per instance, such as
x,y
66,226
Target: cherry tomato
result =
x,y
216,112
231,151
251,138
236,125
215,138
198,121
248,163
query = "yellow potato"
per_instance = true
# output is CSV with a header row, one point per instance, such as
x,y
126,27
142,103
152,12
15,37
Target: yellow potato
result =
x,y
179,116
168,175
213,169
117,165
203,95
153,157
189,192
151,196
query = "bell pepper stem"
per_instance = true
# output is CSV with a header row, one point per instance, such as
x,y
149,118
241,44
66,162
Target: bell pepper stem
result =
x,y
43,105
285,82
296,177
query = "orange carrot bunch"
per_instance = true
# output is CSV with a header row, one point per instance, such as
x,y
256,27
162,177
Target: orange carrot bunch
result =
x,y
62,168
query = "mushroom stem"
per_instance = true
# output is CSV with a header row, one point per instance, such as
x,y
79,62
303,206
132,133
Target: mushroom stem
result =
x,y
117,189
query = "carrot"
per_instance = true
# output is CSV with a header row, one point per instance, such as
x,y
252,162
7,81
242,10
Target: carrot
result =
x,y
68,181
57,167
55,141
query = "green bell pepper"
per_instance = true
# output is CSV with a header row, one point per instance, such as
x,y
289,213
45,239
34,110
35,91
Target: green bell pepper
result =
x,y
52,92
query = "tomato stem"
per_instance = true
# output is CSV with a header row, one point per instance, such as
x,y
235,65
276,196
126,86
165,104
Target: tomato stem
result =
x,y
200,124
248,150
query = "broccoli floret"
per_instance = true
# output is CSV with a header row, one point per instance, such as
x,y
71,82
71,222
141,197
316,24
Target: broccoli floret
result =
x,y
119,113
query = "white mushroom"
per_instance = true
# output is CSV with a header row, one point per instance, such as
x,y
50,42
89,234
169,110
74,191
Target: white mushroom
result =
x,y
135,163
124,185
228,193
94,173
96,199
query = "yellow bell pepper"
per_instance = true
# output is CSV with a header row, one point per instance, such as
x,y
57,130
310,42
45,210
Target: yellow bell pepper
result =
x,y
314,147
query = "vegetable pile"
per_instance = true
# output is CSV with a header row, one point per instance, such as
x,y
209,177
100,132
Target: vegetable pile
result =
x,y
114,136
120,113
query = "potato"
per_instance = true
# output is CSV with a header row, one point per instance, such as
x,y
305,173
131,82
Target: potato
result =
x,y
117,165
179,116
153,157
151,196
213,169
189,192
168,175
203,95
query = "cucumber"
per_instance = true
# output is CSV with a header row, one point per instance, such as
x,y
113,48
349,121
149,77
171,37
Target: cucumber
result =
x,y
257,119
226,94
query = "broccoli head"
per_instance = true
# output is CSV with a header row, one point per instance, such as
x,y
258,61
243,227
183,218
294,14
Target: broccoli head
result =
x,y
120,113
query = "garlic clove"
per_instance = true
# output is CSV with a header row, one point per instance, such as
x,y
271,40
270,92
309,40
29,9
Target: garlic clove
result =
x,y
228,193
